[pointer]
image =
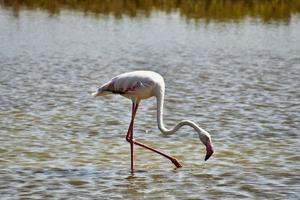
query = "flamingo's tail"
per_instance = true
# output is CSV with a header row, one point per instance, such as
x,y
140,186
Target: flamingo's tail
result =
x,y
103,90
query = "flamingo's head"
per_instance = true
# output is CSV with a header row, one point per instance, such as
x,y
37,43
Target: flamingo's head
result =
x,y
206,140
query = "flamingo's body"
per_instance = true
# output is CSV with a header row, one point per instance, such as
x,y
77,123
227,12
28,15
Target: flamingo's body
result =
x,y
138,85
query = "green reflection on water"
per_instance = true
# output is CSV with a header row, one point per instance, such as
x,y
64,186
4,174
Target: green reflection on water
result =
x,y
219,10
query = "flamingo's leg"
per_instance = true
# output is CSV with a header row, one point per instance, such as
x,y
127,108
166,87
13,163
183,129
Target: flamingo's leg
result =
x,y
129,136
172,159
132,141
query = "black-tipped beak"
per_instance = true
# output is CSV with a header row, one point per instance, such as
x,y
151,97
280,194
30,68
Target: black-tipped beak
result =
x,y
209,151
207,156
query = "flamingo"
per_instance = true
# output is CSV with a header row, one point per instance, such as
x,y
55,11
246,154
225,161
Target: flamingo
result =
x,y
138,85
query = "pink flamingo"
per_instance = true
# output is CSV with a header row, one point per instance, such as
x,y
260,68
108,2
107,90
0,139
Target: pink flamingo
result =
x,y
138,85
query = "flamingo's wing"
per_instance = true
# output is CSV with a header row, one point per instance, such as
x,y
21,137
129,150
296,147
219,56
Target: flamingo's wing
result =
x,y
138,85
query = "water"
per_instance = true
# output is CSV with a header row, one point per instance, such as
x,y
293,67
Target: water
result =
x,y
238,79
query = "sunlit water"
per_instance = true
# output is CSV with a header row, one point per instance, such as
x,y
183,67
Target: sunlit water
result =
x,y
238,80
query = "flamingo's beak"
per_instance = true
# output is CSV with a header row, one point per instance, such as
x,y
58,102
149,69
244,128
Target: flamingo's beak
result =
x,y
209,150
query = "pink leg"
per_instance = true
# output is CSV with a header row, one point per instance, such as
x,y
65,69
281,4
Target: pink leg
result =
x,y
130,139
172,159
129,136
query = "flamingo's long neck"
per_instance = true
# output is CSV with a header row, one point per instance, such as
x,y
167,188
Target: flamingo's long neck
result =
x,y
160,106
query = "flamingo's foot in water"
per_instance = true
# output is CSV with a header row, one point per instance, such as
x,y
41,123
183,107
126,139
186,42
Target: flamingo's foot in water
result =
x,y
176,163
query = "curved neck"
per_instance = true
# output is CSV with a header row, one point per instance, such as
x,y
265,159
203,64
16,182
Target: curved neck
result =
x,y
160,105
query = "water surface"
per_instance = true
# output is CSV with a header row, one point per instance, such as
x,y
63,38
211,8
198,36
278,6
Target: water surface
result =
x,y
238,79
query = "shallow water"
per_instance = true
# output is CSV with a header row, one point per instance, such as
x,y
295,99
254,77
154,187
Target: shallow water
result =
x,y
238,80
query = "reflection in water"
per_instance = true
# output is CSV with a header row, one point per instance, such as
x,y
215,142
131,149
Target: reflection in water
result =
x,y
220,10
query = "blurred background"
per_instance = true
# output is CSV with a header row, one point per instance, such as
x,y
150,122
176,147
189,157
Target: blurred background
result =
x,y
231,66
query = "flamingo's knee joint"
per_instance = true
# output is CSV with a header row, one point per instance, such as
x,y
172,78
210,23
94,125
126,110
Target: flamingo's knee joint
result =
x,y
129,139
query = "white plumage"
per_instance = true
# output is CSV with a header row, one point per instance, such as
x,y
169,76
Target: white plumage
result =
x,y
135,85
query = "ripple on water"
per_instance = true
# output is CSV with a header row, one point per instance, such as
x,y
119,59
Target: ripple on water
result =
x,y
58,142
